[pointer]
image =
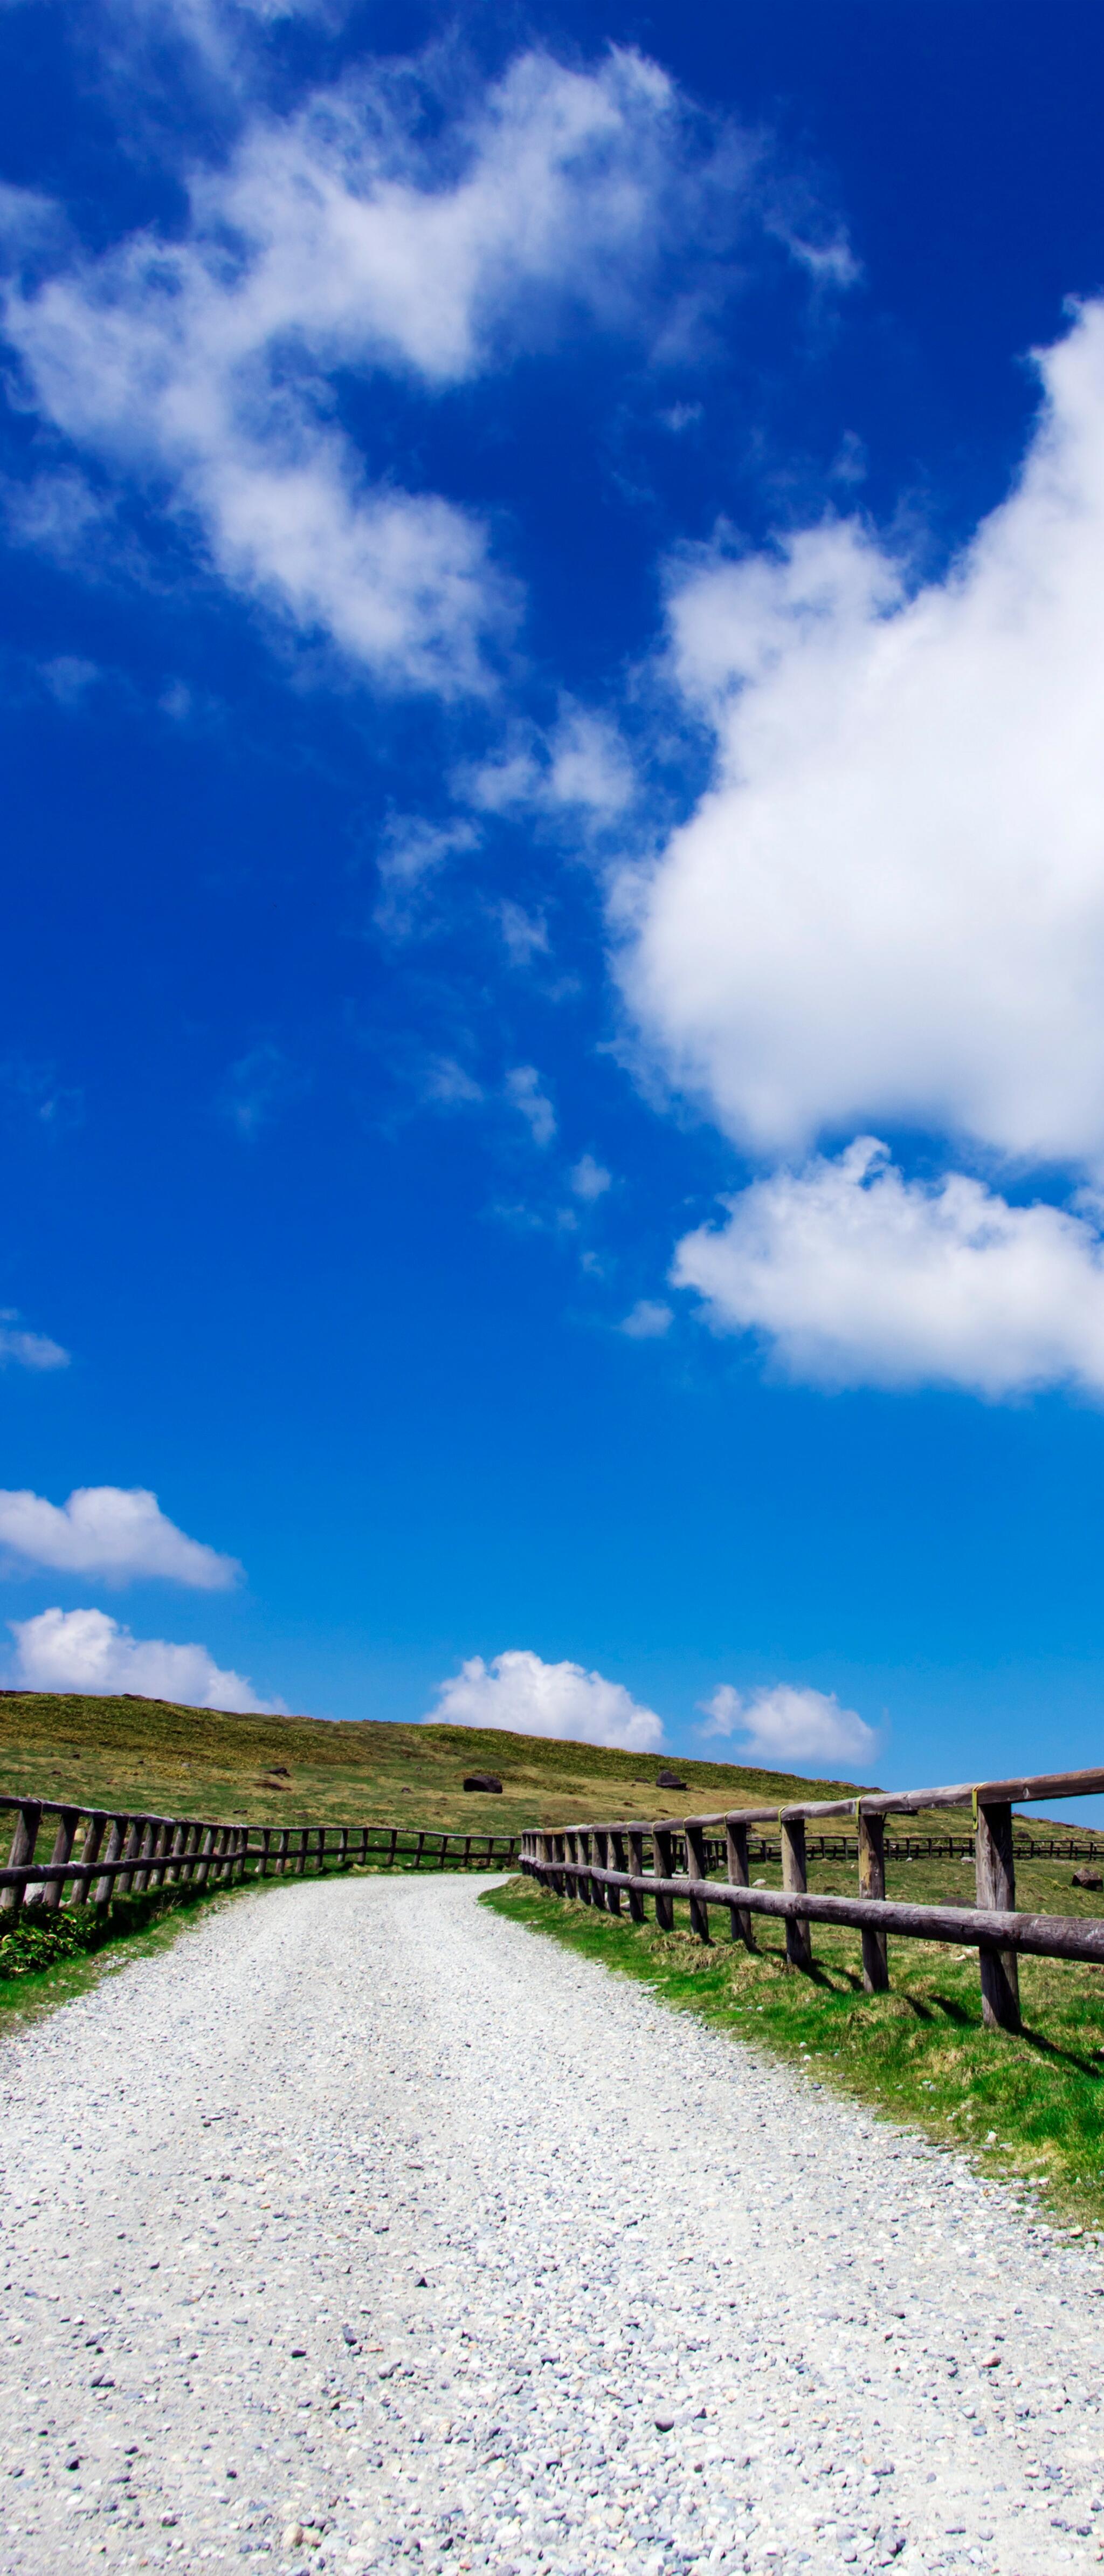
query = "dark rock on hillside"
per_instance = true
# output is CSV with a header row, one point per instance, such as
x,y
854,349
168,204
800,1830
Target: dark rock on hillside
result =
x,y
1087,1878
488,1781
669,1780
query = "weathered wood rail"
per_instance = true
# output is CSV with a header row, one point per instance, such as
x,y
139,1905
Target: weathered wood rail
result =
x,y
600,1863
98,1852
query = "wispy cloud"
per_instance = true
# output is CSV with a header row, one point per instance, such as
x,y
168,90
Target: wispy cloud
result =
x,y
589,1179
647,1321
22,1349
259,1086
523,1091
336,239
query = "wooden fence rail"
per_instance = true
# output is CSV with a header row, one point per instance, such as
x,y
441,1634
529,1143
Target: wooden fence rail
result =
x,y
600,1863
99,1852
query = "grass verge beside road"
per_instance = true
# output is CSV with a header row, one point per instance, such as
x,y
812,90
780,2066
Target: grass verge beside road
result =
x,y
1030,2107
47,1959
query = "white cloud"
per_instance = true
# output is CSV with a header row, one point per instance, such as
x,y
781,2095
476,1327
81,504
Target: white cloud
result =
x,y
647,1321
27,1350
860,1277
524,1092
84,1650
579,765
371,230
412,851
589,1180
524,934
519,1692
260,1085
448,1085
788,1724
116,1532
889,906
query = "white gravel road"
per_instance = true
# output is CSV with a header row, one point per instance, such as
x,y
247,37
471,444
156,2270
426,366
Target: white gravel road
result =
x,y
362,2229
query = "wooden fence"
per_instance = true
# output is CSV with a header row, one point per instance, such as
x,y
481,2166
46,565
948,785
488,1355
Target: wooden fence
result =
x,y
99,1852
600,1863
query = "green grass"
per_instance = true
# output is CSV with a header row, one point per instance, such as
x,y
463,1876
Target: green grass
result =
x,y
1030,2107
202,1762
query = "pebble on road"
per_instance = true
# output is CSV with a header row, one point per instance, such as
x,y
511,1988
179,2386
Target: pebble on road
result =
x,y
364,2230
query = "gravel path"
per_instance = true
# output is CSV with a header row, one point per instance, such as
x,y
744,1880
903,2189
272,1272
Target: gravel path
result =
x,y
362,2229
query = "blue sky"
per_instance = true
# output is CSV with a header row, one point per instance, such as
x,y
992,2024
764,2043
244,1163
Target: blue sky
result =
x,y
552,1083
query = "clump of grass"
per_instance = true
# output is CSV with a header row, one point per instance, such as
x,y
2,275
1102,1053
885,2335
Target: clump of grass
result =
x,y
1029,2106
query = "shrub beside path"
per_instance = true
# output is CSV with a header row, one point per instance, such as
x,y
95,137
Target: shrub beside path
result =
x,y
362,2230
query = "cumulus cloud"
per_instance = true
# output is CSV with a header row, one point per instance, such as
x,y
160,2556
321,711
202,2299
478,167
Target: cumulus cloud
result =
x,y
517,1691
857,1276
789,1724
369,231
85,1650
21,1349
889,905
120,1533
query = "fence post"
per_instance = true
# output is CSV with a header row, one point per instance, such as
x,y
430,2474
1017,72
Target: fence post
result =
x,y
135,1837
584,1887
995,1880
175,1869
161,1848
795,1879
22,1851
204,1855
105,1886
875,1947
90,1851
696,1868
599,1854
661,1862
636,1865
146,1848
63,1845
615,1859
736,1857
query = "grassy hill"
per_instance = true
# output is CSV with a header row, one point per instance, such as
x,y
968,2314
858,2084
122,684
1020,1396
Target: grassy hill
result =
x,y
205,1762
194,1761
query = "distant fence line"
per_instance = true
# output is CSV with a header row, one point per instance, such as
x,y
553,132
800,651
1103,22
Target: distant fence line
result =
x,y
600,1863
99,1852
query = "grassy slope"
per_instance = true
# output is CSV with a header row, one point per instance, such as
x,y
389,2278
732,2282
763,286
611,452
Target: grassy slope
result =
x,y
1032,2106
188,1761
